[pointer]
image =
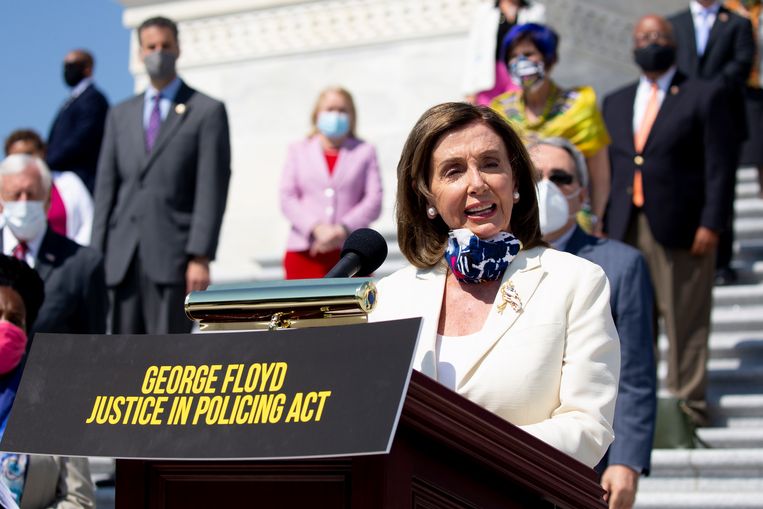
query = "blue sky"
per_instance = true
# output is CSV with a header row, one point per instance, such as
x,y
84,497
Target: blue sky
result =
x,y
35,36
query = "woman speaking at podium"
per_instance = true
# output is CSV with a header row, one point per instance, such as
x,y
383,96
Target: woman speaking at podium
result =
x,y
517,327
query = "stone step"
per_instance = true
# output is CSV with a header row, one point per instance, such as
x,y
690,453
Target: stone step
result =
x,y
737,295
748,228
728,319
747,174
724,406
747,344
747,189
731,375
694,463
720,500
748,207
732,438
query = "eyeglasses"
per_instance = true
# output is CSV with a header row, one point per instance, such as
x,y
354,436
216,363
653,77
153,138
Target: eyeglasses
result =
x,y
561,177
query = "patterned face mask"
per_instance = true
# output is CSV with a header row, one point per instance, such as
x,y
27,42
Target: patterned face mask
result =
x,y
474,260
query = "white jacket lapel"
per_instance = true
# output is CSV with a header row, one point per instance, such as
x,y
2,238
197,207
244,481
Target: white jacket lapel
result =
x,y
524,275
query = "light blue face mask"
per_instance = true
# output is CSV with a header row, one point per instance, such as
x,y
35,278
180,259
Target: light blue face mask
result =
x,y
333,124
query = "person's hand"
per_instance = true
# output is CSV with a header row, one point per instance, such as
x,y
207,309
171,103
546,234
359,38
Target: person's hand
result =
x,y
621,483
327,237
197,274
705,241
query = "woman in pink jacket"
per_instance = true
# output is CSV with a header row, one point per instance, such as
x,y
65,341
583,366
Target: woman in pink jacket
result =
x,y
330,186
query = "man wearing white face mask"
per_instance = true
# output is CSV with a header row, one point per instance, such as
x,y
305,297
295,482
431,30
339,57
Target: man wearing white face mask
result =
x,y
561,194
75,292
161,191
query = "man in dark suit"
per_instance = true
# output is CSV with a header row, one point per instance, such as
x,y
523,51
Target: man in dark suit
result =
x,y
75,291
563,166
715,44
161,191
75,136
671,170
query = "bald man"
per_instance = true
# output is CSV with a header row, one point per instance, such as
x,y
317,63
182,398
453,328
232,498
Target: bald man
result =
x,y
671,172
75,136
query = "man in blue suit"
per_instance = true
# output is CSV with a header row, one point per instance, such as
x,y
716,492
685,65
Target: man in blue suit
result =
x,y
561,195
75,136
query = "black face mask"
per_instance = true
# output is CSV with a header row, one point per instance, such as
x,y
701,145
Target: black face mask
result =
x,y
655,58
74,72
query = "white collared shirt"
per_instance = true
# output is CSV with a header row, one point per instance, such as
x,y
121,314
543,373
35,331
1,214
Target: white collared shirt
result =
x,y
703,18
33,246
166,98
645,89
80,87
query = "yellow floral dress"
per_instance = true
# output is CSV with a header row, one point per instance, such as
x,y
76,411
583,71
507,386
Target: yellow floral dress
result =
x,y
570,114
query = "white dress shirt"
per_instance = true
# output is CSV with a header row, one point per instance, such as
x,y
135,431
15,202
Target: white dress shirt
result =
x,y
33,246
643,92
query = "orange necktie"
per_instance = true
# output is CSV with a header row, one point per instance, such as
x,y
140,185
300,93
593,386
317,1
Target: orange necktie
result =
x,y
639,140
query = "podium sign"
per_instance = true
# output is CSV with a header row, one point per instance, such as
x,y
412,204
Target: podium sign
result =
x,y
322,392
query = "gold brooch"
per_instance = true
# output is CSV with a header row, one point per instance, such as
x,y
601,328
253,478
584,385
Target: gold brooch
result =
x,y
509,297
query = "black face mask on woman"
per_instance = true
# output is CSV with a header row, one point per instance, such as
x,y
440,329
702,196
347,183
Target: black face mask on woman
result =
x,y
655,58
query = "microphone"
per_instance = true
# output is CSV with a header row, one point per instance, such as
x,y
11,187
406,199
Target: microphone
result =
x,y
363,252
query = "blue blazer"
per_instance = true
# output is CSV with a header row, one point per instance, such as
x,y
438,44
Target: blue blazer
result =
x,y
75,137
632,309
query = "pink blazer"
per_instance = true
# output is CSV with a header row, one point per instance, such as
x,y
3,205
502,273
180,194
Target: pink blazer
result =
x,y
351,196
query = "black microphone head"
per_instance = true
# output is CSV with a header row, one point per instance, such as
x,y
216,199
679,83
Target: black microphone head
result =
x,y
370,246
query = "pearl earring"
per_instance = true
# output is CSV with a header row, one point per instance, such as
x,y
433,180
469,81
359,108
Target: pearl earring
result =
x,y
431,212
516,196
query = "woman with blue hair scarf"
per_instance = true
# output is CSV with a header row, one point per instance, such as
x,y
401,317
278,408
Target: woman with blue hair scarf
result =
x,y
542,109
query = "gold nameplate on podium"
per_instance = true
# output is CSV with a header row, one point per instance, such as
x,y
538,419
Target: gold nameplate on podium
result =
x,y
276,305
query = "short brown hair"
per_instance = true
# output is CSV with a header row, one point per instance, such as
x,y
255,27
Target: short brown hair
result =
x,y
25,135
350,103
422,241
160,22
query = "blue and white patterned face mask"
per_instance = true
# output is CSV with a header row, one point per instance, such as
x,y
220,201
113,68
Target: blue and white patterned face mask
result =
x,y
474,260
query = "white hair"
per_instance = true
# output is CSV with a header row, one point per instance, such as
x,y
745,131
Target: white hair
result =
x,y
16,163
581,168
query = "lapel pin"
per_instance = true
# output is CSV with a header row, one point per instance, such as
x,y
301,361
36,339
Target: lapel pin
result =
x,y
723,17
509,297
674,90
180,108
50,257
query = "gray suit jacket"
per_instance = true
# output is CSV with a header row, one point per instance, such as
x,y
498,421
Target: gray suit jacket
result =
x,y
632,304
57,482
167,205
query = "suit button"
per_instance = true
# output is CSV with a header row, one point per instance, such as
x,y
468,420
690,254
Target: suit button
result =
x,y
629,190
329,211
133,219
329,192
638,160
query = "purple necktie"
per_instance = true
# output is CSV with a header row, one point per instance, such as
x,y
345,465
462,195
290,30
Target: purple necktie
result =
x,y
154,123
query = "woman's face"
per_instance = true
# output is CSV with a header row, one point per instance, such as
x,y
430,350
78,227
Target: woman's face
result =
x,y
12,307
471,180
334,101
527,49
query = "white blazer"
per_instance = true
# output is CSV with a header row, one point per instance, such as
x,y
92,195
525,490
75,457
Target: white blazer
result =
x,y
554,364
479,68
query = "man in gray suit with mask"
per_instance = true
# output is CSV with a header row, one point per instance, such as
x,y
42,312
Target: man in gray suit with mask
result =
x,y
160,193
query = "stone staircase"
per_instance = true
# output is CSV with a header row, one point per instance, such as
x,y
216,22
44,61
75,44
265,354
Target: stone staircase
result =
x,y
730,473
